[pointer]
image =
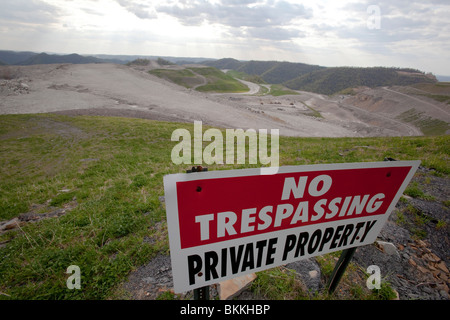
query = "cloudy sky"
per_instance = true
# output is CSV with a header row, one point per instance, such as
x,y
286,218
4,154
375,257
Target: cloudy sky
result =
x,y
404,33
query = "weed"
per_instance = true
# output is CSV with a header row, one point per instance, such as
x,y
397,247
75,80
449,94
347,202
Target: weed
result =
x,y
441,224
413,190
400,218
278,284
385,292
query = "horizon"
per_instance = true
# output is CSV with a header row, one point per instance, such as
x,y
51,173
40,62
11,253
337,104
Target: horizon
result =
x,y
404,34
147,56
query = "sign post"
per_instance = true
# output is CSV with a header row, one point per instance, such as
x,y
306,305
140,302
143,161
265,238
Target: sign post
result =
x,y
224,224
340,268
203,292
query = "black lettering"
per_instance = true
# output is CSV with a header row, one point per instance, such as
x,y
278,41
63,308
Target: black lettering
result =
x,y
236,259
289,245
326,237
302,240
260,247
347,231
211,260
249,259
314,241
355,236
336,237
194,267
224,262
369,226
271,251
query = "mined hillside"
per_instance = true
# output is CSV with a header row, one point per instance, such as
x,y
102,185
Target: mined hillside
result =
x,y
332,80
324,80
424,106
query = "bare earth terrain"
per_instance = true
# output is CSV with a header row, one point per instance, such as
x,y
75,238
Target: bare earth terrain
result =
x,y
116,90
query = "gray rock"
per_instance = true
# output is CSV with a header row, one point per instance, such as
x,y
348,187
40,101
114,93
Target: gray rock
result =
x,y
388,248
309,272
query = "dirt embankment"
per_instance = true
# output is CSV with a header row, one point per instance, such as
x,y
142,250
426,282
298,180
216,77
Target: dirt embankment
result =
x,y
414,110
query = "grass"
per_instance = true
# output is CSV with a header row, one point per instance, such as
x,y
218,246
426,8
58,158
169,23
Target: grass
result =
x,y
413,190
113,169
246,77
185,77
429,126
438,97
281,283
280,90
219,81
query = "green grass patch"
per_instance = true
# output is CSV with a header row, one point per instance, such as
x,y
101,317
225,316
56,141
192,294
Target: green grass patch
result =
x,y
219,81
414,190
246,77
280,90
114,168
429,126
437,97
183,77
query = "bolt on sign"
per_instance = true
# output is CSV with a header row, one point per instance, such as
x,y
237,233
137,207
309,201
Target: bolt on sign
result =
x,y
224,224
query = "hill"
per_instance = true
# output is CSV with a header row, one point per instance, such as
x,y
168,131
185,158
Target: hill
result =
x,y
324,80
270,71
44,58
29,58
13,57
226,63
332,80
200,78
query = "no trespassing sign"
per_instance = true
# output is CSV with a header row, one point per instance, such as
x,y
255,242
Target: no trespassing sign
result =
x,y
224,224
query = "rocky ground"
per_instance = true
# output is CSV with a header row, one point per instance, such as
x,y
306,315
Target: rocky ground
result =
x,y
412,252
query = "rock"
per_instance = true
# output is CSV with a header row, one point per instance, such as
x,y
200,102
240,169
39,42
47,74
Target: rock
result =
x,y
11,224
431,257
309,272
427,290
228,289
388,248
443,294
422,269
441,265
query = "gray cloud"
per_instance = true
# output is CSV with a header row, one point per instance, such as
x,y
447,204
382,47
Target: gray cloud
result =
x,y
140,10
272,33
237,14
399,21
28,11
